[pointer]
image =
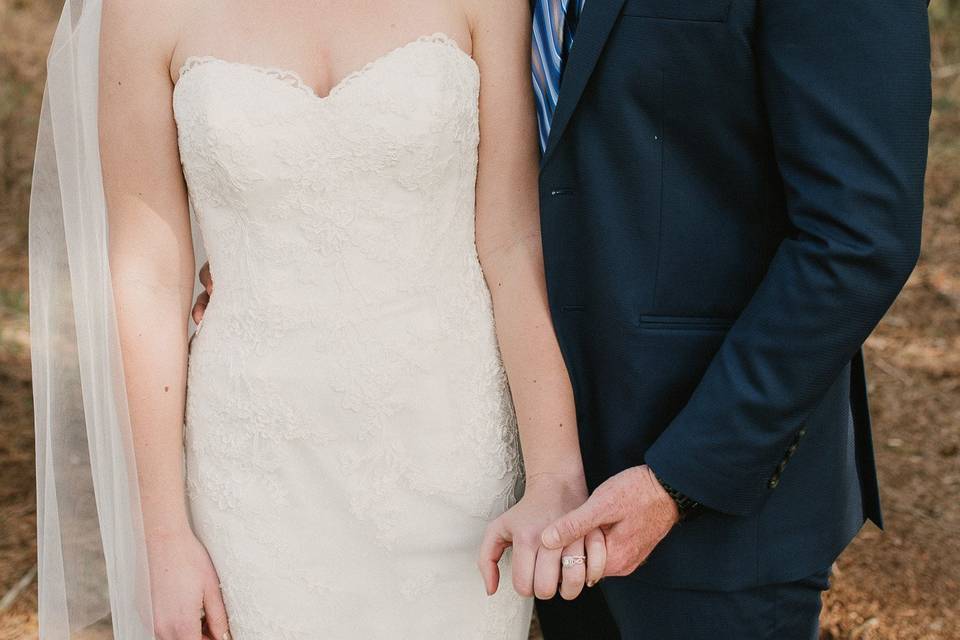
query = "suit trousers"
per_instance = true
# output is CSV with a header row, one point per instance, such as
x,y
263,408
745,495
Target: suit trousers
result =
x,y
788,611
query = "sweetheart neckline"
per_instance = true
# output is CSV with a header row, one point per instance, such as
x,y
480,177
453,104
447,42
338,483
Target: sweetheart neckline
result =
x,y
295,80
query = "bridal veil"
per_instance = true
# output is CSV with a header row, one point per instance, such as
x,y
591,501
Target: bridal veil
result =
x,y
93,577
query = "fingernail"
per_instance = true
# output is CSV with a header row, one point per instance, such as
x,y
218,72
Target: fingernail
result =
x,y
551,538
226,635
590,583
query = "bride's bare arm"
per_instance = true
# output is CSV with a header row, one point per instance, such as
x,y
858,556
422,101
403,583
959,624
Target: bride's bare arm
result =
x,y
152,266
509,247
151,255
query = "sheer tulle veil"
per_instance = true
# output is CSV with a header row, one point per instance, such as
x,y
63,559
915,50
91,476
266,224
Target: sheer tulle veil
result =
x,y
93,577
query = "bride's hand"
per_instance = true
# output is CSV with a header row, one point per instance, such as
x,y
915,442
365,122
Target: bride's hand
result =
x,y
184,583
537,570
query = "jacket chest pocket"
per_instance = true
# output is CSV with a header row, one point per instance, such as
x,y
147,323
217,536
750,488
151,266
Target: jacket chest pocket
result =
x,y
690,10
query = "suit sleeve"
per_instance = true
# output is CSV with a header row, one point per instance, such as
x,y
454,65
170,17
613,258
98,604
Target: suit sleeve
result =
x,y
847,91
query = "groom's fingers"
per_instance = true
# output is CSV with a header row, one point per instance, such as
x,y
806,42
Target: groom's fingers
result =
x,y
495,542
206,279
200,307
596,547
575,525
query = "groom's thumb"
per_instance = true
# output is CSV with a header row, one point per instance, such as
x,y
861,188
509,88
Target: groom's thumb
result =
x,y
571,527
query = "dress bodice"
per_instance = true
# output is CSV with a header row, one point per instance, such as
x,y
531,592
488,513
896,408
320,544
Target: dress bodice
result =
x,y
367,187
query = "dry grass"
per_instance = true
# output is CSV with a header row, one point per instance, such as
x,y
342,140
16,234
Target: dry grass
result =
x,y
903,584
25,32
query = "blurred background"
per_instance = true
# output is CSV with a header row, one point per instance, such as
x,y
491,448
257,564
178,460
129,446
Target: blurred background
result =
x,y
901,584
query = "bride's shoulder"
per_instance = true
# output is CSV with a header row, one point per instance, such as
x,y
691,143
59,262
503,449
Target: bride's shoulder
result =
x,y
499,27
156,13
142,24
498,18
140,36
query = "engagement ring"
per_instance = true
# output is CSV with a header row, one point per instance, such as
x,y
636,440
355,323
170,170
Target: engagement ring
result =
x,y
571,561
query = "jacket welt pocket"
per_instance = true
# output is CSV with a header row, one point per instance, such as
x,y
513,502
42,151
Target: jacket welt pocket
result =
x,y
685,323
690,10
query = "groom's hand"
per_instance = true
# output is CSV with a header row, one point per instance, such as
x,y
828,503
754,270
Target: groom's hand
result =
x,y
204,298
634,512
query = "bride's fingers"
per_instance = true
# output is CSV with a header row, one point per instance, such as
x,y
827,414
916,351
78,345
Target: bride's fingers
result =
x,y
524,561
216,613
575,575
596,547
200,307
547,575
495,541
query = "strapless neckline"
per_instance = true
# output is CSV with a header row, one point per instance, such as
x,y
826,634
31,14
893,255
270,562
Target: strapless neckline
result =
x,y
295,80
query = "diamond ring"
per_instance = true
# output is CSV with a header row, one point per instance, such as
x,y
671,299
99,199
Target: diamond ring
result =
x,y
572,561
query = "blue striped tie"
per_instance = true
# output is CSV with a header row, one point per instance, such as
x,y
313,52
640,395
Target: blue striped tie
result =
x,y
554,23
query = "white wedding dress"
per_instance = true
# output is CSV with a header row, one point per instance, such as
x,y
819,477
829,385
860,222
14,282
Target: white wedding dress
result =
x,y
349,428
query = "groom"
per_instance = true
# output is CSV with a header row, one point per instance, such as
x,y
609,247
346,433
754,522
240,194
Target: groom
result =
x,y
731,197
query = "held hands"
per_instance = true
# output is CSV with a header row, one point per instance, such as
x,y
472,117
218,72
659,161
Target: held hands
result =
x,y
537,570
634,512
616,528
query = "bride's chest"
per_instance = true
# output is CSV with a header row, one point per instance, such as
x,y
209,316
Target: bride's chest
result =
x,y
410,108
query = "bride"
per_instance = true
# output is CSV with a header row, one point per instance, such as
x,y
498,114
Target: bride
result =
x,y
321,457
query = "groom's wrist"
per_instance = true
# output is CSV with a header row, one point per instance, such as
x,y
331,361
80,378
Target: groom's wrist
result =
x,y
686,506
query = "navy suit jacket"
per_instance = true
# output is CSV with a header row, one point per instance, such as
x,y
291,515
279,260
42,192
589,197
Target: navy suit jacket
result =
x,y
731,198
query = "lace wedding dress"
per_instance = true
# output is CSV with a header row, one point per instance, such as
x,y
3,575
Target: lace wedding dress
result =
x,y
349,429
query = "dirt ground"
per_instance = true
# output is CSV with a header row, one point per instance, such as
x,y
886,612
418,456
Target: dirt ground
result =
x,y
901,584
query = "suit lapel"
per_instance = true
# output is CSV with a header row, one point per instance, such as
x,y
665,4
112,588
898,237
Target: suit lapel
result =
x,y
592,32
